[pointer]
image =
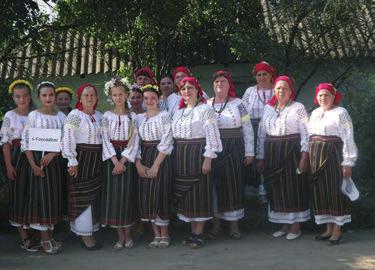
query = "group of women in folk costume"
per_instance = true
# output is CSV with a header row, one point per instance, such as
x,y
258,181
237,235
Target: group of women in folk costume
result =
x,y
160,149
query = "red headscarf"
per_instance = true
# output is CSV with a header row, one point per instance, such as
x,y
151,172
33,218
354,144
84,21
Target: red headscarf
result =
x,y
263,65
286,79
180,69
194,82
145,71
79,93
330,88
228,76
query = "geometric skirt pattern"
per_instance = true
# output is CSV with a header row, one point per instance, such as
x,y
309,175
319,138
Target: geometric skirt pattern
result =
x,y
193,191
154,195
119,194
228,171
287,191
325,163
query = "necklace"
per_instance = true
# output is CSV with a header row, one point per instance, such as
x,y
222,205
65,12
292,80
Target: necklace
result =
x,y
183,115
264,96
279,111
222,106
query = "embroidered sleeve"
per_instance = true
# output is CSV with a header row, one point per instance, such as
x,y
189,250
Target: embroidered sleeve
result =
x,y
211,129
166,143
108,149
247,131
25,134
350,151
68,145
5,132
260,140
303,120
245,97
131,151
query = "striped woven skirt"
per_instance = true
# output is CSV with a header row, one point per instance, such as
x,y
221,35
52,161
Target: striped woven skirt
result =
x,y
85,189
228,171
18,190
119,192
329,203
251,174
192,189
154,195
287,190
45,197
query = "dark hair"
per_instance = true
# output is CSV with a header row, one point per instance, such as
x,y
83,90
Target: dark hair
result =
x,y
137,89
45,84
166,76
153,90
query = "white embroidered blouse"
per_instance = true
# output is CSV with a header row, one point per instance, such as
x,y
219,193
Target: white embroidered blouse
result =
x,y
335,122
235,115
293,119
170,104
80,127
37,119
157,128
12,127
116,128
198,122
255,100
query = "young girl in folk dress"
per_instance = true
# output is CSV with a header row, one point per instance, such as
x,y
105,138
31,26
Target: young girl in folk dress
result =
x,y
44,200
154,166
16,163
119,186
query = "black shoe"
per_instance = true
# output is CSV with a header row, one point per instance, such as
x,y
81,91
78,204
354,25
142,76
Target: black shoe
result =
x,y
198,241
335,242
322,237
97,245
189,240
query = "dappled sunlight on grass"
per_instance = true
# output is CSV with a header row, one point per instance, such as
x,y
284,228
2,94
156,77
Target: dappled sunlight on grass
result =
x,y
362,262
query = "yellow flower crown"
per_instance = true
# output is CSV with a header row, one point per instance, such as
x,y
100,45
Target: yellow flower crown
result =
x,y
11,86
155,87
64,89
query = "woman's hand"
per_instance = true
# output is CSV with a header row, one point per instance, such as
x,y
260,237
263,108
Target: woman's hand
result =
x,y
73,171
119,168
260,165
11,172
346,171
303,164
37,170
153,171
206,166
46,159
141,169
248,160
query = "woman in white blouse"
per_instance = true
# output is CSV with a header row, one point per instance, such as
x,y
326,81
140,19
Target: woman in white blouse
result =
x,y
168,100
82,146
237,138
154,166
45,191
333,153
197,140
16,164
255,99
283,150
120,145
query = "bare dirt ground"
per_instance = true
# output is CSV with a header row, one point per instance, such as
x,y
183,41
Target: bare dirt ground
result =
x,y
256,250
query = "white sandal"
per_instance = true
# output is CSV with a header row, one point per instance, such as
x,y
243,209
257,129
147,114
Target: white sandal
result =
x,y
118,245
129,244
155,243
52,247
164,242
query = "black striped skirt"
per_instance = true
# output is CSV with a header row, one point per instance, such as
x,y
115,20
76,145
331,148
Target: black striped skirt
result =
x,y
192,189
85,189
45,196
18,189
325,163
119,193
251,175
228,171
154,195
287,191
